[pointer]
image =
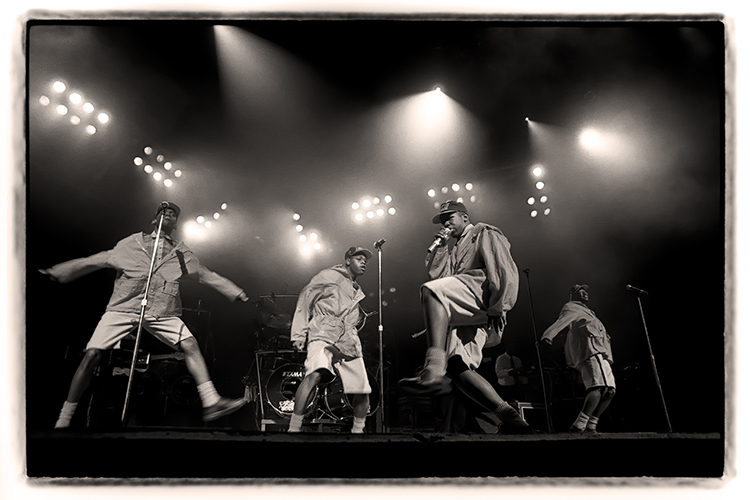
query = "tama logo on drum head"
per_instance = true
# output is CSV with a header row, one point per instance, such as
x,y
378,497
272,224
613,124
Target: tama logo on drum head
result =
x,y
296,374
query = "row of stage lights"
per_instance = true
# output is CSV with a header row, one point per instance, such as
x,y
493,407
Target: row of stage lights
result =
x,y
537,171
456,188
307,242
155,166
202,223
75,106
371,208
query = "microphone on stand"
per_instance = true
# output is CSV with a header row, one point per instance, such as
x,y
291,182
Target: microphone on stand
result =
x,y
164,205
636,290
379,243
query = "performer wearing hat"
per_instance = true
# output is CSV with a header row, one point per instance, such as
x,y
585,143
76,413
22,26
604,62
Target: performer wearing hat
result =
x,y
131,257
325,321
588,350
473,285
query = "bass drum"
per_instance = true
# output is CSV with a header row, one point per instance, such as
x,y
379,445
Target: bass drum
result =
x,y
339,405
281,388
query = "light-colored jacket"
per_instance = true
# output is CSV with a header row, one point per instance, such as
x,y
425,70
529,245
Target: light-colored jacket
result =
x,y
328,310
481,259
131,257
586,334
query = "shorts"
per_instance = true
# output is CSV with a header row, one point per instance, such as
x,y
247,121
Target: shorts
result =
x,y
114,326
596,372
323,356
468,317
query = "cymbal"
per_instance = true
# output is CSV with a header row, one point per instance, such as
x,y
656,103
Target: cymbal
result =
x,y
277,321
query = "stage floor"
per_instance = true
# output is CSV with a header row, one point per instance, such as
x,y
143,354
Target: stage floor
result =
x,y
153,453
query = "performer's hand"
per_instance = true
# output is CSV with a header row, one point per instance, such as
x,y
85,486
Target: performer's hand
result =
x,y
444,234
299,345
48,273
496,323
243,296
547,342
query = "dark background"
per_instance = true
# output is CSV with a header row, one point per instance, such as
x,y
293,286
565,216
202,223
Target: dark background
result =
x,y
275,117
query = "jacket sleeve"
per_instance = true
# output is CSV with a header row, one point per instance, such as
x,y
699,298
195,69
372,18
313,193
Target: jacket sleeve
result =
x,y
438,263
567,316
502,272
73,269
218,283
303,312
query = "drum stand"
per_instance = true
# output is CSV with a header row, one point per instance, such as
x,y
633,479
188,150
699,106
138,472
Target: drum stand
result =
x,y
144,303
379,416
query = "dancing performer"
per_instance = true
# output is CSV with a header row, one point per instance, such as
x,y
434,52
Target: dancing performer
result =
x,y
325,322
587,349
131,257
473,285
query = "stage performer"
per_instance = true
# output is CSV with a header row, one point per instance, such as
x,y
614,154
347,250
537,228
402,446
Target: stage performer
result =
x,y
587,349
473,286
325,323
131,257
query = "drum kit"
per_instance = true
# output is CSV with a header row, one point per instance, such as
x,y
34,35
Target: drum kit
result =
x,y
279,369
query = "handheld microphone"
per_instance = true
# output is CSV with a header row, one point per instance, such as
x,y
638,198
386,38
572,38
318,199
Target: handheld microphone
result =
x,y
636,290
379,243
438,241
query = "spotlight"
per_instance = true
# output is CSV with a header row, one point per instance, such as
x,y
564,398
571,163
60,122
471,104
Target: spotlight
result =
x,y
455,187
200,219
436,204
370,215
392,211
526,119
590,139
75,98
388,198
299,228
366,203
59,86
460,199
316,246
537,171
159,158
355,206
223,205
431,193
380,212
444,190
469,186
208,223
138,161
217,215
543,199
44,100
547,211
473,198
91,130
148,150
302,237
148,169
534,213
62,110
531,200
167,182
375,200
88,107
439,90
295,216
167,165
306,249
540,185
178,173
358,217
157,176
103,117
313,236
75,120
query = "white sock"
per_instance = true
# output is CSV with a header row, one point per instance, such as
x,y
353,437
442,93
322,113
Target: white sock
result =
x,y
581,421
295,424
591,424
435,361
66,414
504,410
359,425
208,394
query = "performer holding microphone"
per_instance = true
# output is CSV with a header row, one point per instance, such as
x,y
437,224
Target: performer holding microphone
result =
x,y
473,286
131,257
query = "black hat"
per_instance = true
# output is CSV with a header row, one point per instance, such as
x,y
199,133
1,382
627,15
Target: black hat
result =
x,y
574,289
447,209
357,251
171,205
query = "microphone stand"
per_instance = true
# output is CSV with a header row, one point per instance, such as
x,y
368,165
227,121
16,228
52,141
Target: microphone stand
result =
x,y
538,353
653,362
144,303
379,417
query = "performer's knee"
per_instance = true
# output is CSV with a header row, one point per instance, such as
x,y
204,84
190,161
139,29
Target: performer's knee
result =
x,y
92,358
427,294
609,393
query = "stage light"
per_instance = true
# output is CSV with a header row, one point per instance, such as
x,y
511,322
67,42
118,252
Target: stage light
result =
x,y
358,217
138,161
438,89
537,171
75,120
460,199
431,193
392,211
178,173
543,199
59,86
375,200
313,236
455,187
302,237
200,219
380,212
299,228
355,206
167,165
366,203
444,190
370,215
62,110
217,215
159,158
590,139
392,289
168,182
473,199
540,185
316,246
223,205
88,107
547,211
148,150
388,198
44,100
526,119
534,213
75,98
305,249
91,130
103,117
469,186
531,200
148,169
157,176
207,223
436,204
